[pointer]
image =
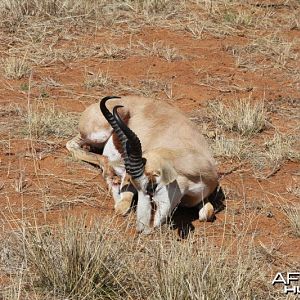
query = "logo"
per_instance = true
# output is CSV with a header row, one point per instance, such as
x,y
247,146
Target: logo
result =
x,y
288,281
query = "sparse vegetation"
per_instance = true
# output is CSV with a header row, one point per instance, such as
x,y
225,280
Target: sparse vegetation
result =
x,y
95,10
46,121
112,51
15,68
161,50
293,215
242,116
280,148
273,153
150,87
265,52
79,260
229,148
83,260
99,80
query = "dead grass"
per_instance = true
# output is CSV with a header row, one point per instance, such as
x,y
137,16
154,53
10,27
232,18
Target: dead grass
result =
x,y
199,26
43,121
269,157
83,260
99,80
221,83
15,68
187,272
292,214
294,189
153,87
223,18
159,49
242,116
280,148
80,260
112,51
103,12
265,52
149,87
10,110
223,146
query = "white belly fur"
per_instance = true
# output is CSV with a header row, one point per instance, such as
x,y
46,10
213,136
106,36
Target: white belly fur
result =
x,y
195,194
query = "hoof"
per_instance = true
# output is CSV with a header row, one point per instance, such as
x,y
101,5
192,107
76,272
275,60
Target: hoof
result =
x,y
207,213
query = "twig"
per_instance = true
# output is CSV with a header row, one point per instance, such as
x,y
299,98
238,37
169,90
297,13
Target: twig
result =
x,y
223,174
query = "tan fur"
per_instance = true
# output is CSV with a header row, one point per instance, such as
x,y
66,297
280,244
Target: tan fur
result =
x,y
75,147
123,207
171,143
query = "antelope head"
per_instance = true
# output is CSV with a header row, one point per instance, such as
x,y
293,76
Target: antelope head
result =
x,y
146,171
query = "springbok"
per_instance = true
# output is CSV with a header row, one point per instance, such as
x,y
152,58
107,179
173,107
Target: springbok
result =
x,y
152,147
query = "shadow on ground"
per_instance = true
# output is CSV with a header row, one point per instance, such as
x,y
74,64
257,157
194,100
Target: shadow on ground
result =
x,y
183,217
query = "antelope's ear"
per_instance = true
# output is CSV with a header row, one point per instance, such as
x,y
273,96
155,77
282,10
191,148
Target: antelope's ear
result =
x,y
167,173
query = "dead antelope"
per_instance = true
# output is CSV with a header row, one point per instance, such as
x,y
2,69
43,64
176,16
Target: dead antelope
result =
x,y
164,156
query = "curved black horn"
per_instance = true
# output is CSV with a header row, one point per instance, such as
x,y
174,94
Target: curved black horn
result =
x,y
133,147
106,113
111,120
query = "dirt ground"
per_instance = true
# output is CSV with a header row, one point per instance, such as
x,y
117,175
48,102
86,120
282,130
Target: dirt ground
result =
x,y
196,58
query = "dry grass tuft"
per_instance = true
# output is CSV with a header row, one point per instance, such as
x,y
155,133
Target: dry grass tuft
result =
x,y
15,68
149,87
274,153
45,121
197,271
280,148
161,50
154,10
153,87
99,80
293,215
243,116
229,148
198,26
81,260
265,52
112,51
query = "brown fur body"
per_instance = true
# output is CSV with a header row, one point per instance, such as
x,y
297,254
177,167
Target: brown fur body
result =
x,y
167,136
